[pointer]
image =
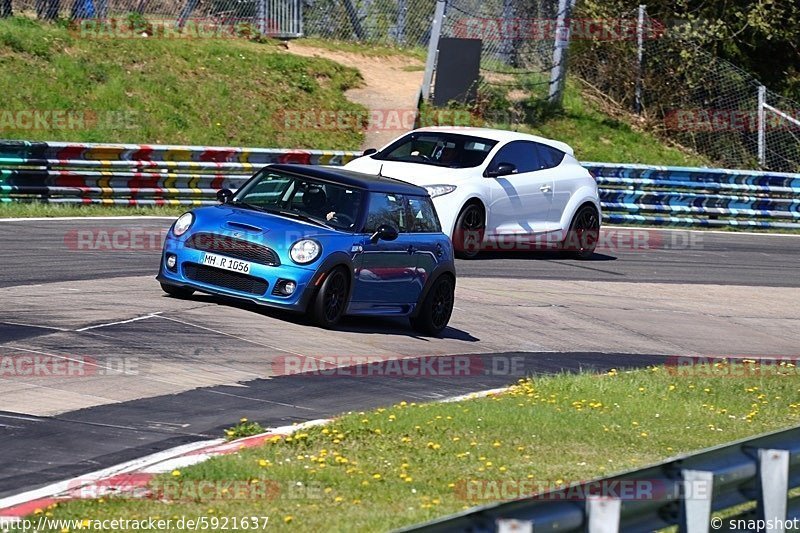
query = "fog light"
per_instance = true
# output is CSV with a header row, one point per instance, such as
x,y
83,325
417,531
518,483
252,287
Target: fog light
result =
x,y
288,288
172,260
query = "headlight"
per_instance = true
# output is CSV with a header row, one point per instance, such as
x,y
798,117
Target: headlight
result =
x,y
439,190
182,224
305,251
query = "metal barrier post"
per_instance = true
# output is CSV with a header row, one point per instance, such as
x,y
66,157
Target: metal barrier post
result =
x,y
433,48
639,57
696,510
558,73
762,97
603,514
773,478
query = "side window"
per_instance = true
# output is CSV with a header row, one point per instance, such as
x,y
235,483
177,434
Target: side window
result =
x,y
385,208
522,154
423,215
549,157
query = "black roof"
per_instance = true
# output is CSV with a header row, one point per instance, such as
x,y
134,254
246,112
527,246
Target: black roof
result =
x,y
359,180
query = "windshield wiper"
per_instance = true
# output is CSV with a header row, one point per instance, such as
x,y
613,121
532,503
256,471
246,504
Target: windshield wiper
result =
x,y
245,205
300,216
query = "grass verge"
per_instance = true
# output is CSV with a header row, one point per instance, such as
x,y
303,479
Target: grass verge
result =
x,y
164,90
395,466
41,210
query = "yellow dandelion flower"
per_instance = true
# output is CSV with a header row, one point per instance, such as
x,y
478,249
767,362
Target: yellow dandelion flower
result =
x,y
176,473
287,519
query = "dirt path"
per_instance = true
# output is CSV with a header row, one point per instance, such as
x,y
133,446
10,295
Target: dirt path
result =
x,y
390,90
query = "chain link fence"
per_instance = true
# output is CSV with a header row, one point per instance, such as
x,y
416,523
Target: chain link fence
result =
x,y
639,65
691,97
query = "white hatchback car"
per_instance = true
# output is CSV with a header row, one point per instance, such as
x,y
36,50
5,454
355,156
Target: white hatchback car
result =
x,y
496,189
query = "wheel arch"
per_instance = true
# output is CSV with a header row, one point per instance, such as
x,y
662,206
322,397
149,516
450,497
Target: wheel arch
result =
x,y
584,196
333,261
444,270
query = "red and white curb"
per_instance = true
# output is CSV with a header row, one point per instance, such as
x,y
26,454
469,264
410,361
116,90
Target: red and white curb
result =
x,y
134,476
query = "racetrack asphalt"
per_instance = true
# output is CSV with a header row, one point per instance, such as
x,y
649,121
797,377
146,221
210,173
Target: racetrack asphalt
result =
x,y
203,363
44,251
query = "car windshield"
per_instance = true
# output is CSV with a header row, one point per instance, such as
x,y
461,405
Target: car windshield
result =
x,y
440,149
321,202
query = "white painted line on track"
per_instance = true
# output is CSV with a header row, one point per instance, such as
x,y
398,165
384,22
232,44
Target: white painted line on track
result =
x,y
17,417
135,319
235,337
719,232
32,325
79,481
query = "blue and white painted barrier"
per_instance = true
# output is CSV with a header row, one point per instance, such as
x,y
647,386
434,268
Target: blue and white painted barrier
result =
x,y
132,174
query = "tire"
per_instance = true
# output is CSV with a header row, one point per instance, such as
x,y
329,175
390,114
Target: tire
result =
x,y
469,231
435,311
177,292
330,302
581,240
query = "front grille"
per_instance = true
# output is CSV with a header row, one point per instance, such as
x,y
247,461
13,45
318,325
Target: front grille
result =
x,y
231,247
223,278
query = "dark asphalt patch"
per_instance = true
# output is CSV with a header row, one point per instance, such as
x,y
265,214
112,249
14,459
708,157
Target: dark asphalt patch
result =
x,y
41,450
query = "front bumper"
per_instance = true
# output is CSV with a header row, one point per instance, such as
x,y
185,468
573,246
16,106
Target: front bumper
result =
x,y
189,259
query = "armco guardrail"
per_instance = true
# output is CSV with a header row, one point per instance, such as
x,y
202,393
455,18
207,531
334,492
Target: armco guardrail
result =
x,y
132,174
687,492
697,196
190,175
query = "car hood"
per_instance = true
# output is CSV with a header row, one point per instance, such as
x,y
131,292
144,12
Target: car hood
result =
x,y
415,173
247,224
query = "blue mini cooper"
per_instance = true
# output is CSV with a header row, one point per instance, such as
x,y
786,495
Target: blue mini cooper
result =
x,y
322,241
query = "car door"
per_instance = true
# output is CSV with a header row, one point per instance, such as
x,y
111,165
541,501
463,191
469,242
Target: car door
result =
x,y
430,244
552,161
520,202
385,275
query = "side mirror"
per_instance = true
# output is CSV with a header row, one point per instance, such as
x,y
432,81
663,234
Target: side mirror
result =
x,y
370,151
501,169
224,196
384,232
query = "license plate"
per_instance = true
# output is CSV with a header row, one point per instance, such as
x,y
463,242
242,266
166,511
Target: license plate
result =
x,y
226,263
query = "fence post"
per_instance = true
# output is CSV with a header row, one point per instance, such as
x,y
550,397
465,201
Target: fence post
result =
x,y
639,57
262,17
558,72
506,42
186,12
400,29
433,49
762,99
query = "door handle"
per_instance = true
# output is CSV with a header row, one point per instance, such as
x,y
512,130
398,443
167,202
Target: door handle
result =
x,y
411,249
546,188
439,250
